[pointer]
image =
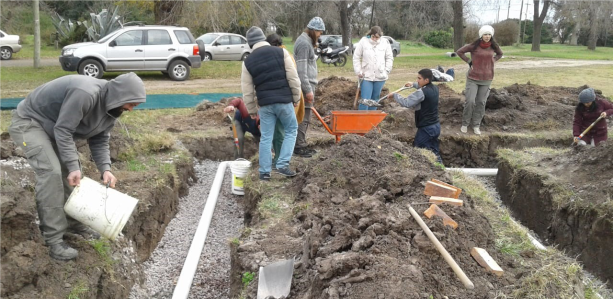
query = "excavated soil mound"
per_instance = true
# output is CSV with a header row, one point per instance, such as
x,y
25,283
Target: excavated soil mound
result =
x,y
355,237
518,107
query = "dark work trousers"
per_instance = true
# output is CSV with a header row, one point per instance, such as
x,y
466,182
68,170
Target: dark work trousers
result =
x,y
427,137
303,127
52,188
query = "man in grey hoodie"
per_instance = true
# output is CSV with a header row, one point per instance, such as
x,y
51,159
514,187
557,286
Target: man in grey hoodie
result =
x,y
306,64
46,125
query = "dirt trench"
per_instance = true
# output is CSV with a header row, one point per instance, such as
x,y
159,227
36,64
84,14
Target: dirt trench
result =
x,y
565,199
344,252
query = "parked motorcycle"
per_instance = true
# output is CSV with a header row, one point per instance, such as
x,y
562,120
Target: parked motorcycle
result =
x,y
338,57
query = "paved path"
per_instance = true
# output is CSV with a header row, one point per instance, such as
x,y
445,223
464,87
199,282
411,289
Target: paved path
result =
x,y
30,62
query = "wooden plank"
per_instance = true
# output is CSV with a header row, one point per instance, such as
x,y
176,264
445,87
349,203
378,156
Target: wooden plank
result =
x,y
435,210
436,189
458,190
486,261
448,200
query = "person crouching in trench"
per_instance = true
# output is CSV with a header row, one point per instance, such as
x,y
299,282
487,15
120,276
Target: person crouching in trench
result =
x,y
587,111
46,124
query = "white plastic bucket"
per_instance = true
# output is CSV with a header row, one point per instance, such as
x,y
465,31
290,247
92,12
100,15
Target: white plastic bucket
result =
x,y
103,209
239,168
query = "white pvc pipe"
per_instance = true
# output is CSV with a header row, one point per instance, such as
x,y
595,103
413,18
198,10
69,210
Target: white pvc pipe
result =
x,y
477,171
195,250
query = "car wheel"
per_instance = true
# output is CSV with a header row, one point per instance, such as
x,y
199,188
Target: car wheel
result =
x,y
395,53
178,70
91,68
207,56
342,60
244,56
6,53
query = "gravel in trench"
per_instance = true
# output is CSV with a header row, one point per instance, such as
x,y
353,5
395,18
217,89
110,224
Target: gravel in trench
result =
x,y
212,279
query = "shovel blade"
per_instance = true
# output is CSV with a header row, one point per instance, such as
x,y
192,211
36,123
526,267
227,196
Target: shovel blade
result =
x,y
275,280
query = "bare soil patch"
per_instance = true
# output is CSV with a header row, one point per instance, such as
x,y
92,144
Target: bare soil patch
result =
x,y
354,236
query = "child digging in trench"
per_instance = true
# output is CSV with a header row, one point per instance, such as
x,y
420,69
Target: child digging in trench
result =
x,y
425,103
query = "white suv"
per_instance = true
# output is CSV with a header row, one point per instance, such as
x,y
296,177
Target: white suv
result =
x,y
170,49
9,44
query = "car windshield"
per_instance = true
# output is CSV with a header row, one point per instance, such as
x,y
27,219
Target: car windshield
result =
x,y
104,39
208,38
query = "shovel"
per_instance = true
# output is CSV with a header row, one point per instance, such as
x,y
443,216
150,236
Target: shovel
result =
x,y
587,130
235,134
357,94
372,103
275,280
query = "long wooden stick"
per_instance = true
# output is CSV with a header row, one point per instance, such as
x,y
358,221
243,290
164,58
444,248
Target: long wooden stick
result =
x,y
458,271
357,94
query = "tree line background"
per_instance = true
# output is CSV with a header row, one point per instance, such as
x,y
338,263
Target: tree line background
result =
x,y
437,23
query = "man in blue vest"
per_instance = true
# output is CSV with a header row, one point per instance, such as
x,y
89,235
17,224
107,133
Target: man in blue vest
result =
x,y
270,75
425,103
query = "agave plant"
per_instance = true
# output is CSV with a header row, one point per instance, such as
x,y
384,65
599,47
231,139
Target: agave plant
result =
x,y
103,24
64,27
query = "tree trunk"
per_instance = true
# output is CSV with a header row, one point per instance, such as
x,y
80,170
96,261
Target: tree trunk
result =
x,y
458,24
575,35
372,13
345,13
36,35
591,42
521,10
167,12
538,24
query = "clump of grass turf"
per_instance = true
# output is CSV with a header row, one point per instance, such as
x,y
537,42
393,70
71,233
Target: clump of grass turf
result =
x,y
103,248
78,291
155,143
545,125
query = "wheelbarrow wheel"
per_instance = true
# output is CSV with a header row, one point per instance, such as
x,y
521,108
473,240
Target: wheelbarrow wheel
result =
x,y
342,60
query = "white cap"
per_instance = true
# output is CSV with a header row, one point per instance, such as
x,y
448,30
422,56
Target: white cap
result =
x,y
487,29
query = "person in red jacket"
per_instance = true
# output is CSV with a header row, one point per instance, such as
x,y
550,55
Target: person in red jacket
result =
x,y
587,111
479,77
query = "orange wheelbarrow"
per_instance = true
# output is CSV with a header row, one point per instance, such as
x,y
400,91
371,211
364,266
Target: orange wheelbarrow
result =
x,y
352,121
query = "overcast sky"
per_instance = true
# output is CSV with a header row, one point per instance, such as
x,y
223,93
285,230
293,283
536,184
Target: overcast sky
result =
x,y
489,11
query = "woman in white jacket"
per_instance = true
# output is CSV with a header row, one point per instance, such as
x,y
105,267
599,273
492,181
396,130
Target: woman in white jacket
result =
x,y
372,63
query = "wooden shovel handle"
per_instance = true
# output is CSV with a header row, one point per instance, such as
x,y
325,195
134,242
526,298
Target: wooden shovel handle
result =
x,y
357,94
458,271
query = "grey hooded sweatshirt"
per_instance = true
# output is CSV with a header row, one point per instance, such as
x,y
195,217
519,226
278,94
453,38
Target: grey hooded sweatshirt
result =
x,y
76,107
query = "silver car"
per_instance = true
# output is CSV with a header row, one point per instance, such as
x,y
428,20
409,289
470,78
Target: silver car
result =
x,y
170,49
224,46
395,45
9,44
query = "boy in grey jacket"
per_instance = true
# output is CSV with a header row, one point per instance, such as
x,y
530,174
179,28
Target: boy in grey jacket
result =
x,y
46,124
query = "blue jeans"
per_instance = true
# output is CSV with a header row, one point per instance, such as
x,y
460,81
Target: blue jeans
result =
x,y
371,90
268,118
427,137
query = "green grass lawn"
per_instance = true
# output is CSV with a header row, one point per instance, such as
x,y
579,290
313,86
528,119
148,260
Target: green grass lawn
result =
x,y
27,50
19,81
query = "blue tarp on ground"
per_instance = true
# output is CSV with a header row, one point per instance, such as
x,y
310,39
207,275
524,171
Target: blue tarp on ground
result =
x,y
154,101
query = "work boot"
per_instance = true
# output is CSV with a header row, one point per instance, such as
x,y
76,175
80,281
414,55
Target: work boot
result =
x,y
264,176
62,252
302,152
285,171
464,129
84,231
311,151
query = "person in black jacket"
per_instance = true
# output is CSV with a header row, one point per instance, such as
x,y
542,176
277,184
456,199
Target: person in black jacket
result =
x,y
425,103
